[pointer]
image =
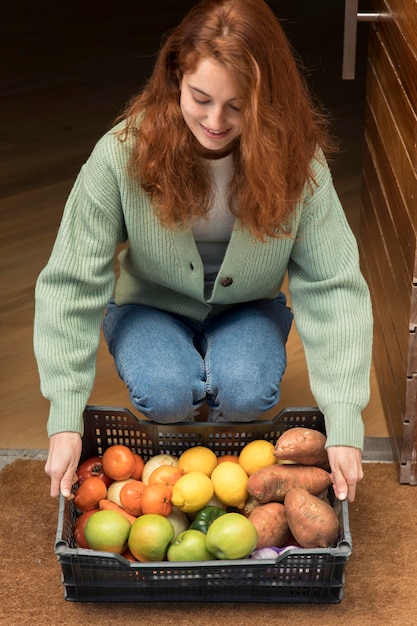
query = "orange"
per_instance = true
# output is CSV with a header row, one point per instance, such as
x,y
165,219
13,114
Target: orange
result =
x,y
113,492
227,457
118,462
156,499
165,475
131,497
156,461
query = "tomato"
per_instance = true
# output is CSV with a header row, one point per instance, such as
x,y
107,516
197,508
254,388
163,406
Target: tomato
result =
x,y
93,467
79,527
129,556
89,494
139,465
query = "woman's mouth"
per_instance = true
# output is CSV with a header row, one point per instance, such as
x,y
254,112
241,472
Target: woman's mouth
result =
x,y
214,134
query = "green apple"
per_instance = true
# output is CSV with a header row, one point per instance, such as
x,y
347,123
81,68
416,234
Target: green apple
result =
x,y
150,537
231,536
107,531
190,545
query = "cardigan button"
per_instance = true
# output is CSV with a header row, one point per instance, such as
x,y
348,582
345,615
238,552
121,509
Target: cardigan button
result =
x,y
226,282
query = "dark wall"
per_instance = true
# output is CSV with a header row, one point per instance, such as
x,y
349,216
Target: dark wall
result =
x,y
69,66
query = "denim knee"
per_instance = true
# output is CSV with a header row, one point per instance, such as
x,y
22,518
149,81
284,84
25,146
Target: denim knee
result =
x,y
165,401
245,404
162,412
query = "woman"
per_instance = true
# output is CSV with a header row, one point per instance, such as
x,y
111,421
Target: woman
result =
x,y
215,176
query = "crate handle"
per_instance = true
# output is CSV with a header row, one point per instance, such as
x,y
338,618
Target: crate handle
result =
x,y
344,547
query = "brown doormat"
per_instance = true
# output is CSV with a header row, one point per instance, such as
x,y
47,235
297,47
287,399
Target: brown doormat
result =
x,y
380,575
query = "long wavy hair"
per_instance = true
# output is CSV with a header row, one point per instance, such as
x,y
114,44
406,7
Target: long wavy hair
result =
x,y
281,127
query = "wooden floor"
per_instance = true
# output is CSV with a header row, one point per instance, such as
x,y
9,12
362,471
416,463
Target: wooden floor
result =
x,y
62,92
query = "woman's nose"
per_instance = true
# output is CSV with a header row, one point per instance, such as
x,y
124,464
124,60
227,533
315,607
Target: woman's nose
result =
x,y
216,118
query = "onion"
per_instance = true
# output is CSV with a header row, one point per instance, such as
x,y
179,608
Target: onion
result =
x,y
113,492
270,552
156,461
265,553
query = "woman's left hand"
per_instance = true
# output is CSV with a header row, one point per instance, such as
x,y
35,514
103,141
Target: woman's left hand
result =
x,y
346,470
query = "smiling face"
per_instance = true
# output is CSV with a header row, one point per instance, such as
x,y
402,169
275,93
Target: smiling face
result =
x,y
210,105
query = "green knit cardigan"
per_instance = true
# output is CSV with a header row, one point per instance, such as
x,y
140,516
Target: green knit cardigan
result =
x,y
160,267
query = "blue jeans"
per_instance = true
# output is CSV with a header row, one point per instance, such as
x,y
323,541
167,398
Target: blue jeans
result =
x,y
172,364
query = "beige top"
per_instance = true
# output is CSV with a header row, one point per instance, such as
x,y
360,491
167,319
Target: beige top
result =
x,y
212,233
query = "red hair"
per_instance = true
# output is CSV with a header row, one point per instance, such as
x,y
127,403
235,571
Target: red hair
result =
x,y
280,127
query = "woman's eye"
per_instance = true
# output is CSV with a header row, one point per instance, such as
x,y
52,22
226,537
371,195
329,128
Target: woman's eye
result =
x,y
201,101
234,108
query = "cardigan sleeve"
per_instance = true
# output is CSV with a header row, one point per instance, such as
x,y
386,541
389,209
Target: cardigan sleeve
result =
x,y
72,291
332,311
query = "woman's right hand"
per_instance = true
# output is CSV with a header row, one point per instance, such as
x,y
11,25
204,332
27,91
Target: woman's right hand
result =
x,y
62,463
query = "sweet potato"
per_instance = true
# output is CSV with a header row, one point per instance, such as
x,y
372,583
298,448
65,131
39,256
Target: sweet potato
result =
x,y
250,504
302,445
312,521
270,484
270,521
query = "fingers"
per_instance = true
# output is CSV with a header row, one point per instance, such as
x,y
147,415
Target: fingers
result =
x,y
55,478
340,487
346,471
343,489
61,466
69,478
55,487
61,482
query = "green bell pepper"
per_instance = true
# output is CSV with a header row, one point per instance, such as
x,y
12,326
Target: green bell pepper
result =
x,y
205,517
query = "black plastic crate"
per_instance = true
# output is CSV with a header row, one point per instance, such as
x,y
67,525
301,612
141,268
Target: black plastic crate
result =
x,y
296,576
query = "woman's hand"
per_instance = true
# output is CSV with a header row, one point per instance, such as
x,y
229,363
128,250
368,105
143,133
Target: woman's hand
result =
x,y
346,470
62,463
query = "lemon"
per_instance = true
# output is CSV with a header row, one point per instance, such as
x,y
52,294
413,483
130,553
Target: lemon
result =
x,y
256,455
229,480
192,492
197,459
